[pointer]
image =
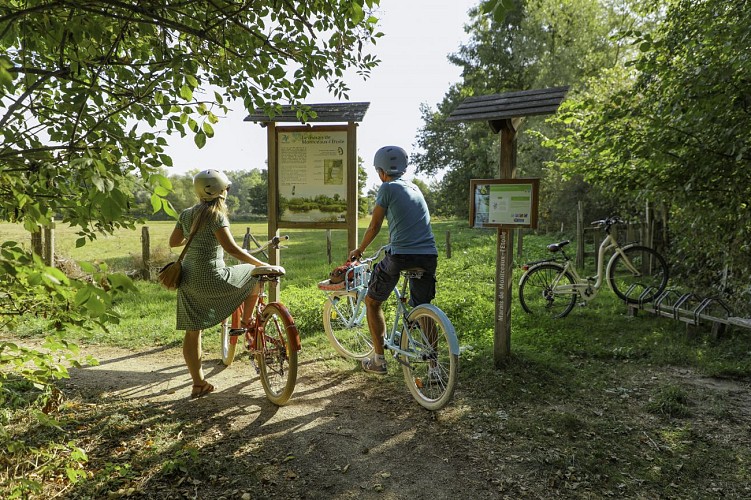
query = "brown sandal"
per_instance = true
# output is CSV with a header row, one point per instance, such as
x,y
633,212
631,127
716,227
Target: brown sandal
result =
x,y
205,388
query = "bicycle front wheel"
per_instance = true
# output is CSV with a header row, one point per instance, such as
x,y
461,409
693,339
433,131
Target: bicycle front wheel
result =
x,y
430,367
539,291
276,354
638,275
346,326
229,342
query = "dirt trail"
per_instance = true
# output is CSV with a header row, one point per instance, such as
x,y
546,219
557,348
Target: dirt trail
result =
x,y
344,434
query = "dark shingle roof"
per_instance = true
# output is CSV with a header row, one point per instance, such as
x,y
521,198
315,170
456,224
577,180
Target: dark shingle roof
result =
x,y
332,112
509,105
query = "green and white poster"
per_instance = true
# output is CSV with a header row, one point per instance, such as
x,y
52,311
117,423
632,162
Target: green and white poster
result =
x,y
508,202
312,175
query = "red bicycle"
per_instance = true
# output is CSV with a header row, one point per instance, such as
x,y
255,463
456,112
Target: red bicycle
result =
x,y
270,337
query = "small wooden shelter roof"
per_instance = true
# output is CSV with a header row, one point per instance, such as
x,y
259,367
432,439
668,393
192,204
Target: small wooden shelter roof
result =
x,y
510,105
331,112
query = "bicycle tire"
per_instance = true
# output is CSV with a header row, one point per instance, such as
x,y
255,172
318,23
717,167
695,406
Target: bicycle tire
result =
x,y
641,287
276,355
431,369
229,343
536,293
346,326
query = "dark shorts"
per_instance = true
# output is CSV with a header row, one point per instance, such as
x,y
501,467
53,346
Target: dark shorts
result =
x,y
386,274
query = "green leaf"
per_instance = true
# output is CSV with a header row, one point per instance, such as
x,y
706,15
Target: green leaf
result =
x,y
6,78
186,93
122,282
200,139
160,180
167,207
86,266
156,203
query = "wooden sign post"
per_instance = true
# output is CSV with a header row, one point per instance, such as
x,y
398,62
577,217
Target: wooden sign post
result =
x,y
312,171
505,113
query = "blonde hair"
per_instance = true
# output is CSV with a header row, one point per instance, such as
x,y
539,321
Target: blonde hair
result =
x,y
204,211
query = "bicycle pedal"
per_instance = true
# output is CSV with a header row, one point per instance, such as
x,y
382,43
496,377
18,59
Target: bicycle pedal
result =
x,y
235,332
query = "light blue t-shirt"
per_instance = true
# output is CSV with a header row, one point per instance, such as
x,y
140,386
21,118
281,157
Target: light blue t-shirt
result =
x,y
408,218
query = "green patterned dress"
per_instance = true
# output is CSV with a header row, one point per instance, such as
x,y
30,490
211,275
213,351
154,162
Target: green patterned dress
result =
x,y
209,290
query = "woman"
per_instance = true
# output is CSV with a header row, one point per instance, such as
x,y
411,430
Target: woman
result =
x,y
209,290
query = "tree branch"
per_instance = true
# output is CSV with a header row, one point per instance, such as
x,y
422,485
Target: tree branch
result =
x,y
30,90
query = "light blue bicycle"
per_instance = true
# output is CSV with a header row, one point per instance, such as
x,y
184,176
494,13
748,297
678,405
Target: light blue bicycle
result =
x,y
422,339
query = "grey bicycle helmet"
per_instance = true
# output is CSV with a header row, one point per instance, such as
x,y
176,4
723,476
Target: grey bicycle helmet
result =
x,y
210,184
391,159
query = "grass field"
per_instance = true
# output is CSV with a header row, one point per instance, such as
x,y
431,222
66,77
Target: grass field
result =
x,y
581,388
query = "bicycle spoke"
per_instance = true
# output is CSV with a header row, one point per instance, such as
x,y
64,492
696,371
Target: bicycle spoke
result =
x,y
540,293
346,326
276,357
430,368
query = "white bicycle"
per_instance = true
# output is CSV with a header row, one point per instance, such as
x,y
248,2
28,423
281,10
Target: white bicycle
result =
x,y
637,274
422,339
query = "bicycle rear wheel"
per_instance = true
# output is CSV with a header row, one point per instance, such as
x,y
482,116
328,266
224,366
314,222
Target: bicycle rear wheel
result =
x,y
276,355
431,368
346,326
641,281
538,295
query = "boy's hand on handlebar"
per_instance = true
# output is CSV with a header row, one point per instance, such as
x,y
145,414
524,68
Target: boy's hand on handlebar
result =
x,y
355,254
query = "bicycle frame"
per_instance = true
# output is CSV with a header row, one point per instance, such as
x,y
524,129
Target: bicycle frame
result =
x,y
392,337
584,287
393,341
256,319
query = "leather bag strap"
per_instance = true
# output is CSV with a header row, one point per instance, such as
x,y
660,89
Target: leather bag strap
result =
x,y
193,231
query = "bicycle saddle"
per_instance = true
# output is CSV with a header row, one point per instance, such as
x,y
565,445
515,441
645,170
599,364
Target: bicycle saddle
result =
x,y
268,271
413,270
557,247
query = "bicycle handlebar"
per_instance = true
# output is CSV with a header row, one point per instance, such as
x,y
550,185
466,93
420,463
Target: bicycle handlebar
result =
x,y
374,256
614,219
273,243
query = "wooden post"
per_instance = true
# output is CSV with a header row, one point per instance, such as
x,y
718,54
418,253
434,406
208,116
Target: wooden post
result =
x,y
273,197
504,257
519,242
246,239
580,235
49,243
649,227
448,244
36,243
352,188
146,252
328,245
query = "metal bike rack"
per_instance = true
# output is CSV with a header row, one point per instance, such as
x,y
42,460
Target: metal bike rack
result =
x,y
691,309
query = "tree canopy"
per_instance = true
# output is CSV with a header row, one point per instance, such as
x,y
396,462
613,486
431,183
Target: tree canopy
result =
x,y
534,44
671,127
91,91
